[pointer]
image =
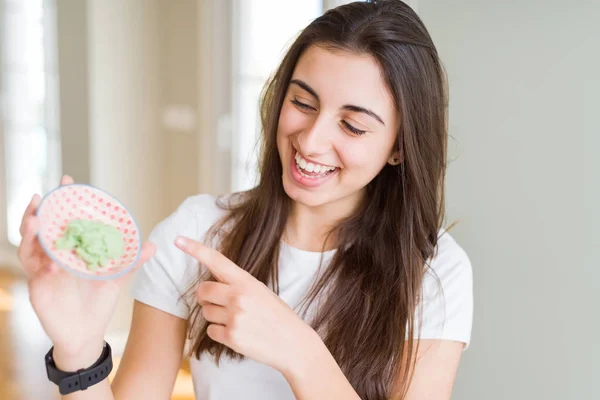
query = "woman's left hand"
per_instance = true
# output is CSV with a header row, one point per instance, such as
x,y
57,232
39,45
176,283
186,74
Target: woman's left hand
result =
x,y
245,315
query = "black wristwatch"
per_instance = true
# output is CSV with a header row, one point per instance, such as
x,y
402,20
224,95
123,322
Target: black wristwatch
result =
x,y
69,382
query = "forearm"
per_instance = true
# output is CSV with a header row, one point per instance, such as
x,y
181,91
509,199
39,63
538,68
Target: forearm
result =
x,y
317,375
83,359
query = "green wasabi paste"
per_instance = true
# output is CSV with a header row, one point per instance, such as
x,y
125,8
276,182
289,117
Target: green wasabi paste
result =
x,y
94,242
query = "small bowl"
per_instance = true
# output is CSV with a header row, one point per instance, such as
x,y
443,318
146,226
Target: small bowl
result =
x,y
79,201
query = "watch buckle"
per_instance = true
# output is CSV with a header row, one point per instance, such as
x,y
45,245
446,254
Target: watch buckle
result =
x,y
82,384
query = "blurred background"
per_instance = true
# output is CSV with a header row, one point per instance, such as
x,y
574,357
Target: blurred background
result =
x,y
157,100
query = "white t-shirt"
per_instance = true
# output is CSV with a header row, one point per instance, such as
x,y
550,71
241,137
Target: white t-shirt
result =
x,y
447,314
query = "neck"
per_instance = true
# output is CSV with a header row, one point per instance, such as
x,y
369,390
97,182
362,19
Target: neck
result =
x,y
307,227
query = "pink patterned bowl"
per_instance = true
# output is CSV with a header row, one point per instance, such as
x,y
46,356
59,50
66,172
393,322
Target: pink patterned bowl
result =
x,y
79,201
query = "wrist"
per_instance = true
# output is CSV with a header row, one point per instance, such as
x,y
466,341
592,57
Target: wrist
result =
x,y
71,360
316,374
311,353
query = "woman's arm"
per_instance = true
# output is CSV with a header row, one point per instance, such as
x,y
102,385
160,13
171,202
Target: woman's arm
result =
x,y
150,362
435,370
246,316
318,376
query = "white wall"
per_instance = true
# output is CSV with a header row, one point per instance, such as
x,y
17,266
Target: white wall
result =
x,y
28,142
126,142
178,28
214,60
524,92
73,86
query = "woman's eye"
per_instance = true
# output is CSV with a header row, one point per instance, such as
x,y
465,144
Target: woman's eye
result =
x,y
302,105
352,129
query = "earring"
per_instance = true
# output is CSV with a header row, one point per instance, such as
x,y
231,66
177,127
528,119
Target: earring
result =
x,y
394,161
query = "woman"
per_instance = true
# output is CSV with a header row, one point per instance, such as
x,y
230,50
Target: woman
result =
x,y
374,299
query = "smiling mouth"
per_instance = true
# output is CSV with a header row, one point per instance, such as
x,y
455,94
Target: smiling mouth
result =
x,y
312,170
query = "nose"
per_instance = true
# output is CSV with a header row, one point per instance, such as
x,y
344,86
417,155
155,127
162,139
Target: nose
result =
x,y
317,139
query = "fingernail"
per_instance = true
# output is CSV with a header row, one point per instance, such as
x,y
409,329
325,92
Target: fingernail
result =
x,y
181,241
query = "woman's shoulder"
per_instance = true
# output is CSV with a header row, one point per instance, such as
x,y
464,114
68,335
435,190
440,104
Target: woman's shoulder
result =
x,y
202,210
203,205
447,294
193,218
449,256
449,269
165,279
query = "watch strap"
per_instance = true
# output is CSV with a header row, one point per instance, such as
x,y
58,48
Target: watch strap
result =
x,y
69,382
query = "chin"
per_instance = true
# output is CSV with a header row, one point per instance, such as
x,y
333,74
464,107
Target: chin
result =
x,y
303,196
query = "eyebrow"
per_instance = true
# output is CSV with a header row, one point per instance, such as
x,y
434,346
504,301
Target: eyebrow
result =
x,y
305,86
348,107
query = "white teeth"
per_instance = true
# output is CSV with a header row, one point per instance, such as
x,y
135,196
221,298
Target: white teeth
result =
x,y
310,167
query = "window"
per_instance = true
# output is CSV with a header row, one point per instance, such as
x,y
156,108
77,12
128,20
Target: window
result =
x,y
257,52
29,109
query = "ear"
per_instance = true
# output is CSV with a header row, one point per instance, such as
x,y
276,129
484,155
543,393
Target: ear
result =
x,y
395,158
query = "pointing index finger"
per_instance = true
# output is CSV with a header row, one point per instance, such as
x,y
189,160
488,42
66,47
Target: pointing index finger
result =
x,y
220,266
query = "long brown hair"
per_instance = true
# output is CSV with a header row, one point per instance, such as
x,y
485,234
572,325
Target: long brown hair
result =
x,y
367,318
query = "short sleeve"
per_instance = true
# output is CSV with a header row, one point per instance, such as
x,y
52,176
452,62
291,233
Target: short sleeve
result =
x,y
447,298
166,278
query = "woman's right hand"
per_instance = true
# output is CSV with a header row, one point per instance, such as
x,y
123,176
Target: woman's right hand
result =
x,y
73,311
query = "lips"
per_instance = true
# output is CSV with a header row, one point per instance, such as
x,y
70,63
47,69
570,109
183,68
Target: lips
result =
x,y
308,179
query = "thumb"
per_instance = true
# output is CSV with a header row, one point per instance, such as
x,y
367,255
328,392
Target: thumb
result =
x,y
66,180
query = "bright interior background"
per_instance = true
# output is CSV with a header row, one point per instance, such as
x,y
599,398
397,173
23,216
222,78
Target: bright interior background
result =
x,y
156,100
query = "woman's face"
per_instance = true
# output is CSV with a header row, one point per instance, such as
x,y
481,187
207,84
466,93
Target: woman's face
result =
x,y
337,128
